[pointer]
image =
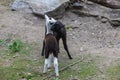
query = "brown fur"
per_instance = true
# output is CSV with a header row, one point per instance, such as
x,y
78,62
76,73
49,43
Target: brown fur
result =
x,y
51,45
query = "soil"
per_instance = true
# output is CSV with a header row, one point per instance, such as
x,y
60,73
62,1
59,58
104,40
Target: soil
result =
x,y
87,35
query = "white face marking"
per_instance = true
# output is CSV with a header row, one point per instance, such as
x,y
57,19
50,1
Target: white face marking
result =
x,y
49,23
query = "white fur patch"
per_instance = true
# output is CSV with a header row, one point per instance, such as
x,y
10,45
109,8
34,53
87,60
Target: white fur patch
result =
x,y
50,60
45,66
56,66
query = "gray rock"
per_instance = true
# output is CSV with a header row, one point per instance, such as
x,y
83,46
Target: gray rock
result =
x,y
54,8
115,23
19,4
104,20
77,5
81,49
95,10
114,4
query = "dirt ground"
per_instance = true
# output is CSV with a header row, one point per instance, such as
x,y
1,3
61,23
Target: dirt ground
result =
x,y
87,35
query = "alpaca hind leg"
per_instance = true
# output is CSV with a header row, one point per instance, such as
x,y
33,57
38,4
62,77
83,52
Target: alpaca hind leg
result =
x,y
56,66
50,60
45,66
42,53
66,47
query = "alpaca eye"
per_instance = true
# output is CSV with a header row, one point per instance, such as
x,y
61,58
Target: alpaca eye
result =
x,y
50,18
51,23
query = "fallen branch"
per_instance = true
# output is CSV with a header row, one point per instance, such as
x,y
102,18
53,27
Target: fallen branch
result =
x,y
64,68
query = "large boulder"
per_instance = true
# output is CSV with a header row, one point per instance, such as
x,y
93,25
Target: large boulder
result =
x,y
54,8
114,4
102,12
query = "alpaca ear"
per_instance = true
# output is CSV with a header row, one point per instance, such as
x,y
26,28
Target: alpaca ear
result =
x,y
53,19
47,18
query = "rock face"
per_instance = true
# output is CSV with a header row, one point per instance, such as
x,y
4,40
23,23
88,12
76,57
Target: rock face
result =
x,y
19,4
102,12
54,8
114,4
107,11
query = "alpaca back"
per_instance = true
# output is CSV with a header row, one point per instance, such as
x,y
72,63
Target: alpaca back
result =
x,y
51,43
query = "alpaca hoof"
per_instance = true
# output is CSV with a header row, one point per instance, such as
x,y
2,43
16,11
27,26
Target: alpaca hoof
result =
x,y
49,67
44,73
57,75
70,58
42,54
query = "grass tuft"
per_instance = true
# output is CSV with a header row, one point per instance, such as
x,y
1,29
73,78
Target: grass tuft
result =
x,y
15,46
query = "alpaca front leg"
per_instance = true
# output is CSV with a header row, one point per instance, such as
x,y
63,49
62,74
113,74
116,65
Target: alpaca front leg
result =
x,y
45,66
56,66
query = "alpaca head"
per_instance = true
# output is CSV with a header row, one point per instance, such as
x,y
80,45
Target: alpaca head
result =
x,y
49,21
57,26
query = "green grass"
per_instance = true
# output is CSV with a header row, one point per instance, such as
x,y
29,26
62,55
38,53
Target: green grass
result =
x,y
15,46
23,64
81,71
114,72
87,70
10,73
1,41
7,73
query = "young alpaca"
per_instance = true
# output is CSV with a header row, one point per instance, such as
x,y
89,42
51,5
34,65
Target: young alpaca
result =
x,y
51,46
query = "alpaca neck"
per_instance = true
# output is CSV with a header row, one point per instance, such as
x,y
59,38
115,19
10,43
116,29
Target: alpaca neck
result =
x,y
49,30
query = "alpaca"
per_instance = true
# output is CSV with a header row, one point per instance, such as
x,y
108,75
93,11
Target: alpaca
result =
x,y
51,46
60,32
49,22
